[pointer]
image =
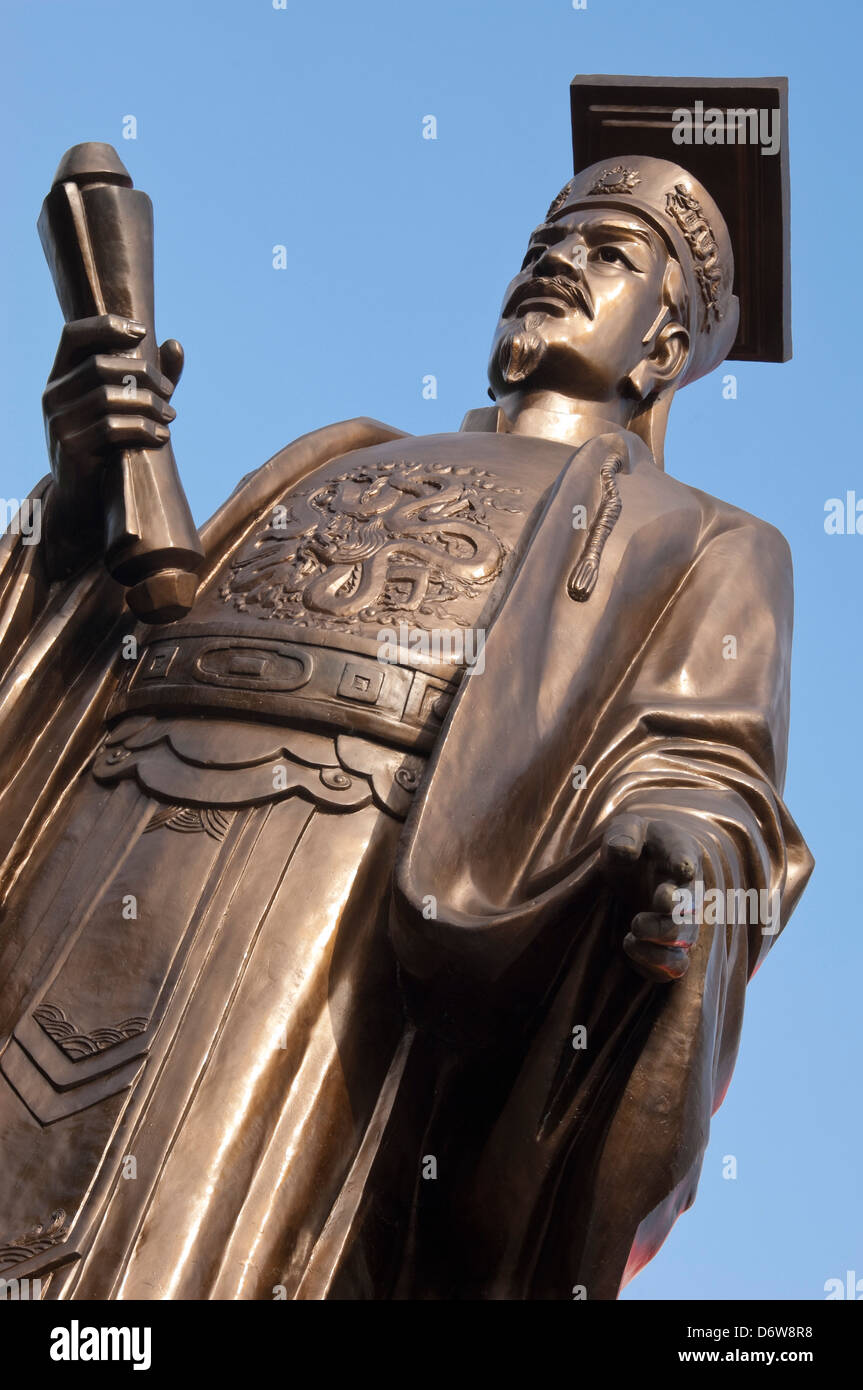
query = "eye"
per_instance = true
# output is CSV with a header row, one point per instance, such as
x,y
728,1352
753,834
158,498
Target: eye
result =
x,y
612,255
533,253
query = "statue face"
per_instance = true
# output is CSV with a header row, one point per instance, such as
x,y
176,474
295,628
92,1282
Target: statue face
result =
x,y
575,317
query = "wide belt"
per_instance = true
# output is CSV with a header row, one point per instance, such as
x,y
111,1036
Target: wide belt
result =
x,y
288,682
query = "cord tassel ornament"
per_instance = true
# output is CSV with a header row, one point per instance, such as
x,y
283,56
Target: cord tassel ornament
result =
x,y
583,577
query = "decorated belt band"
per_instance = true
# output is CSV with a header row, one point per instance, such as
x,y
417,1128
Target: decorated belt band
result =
x,y
290,682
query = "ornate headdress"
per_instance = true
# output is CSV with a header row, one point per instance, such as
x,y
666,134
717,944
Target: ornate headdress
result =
x,y
678,207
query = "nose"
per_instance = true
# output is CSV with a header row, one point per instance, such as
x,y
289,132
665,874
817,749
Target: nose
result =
x,y
567,257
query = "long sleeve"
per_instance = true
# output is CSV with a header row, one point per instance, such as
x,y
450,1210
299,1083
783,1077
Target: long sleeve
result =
x,y
668,687
595,1152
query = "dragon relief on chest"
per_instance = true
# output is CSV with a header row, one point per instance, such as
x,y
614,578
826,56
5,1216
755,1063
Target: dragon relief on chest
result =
x,y
380,544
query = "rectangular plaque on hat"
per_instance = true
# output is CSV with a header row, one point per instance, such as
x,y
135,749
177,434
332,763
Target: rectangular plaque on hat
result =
x,y
732,135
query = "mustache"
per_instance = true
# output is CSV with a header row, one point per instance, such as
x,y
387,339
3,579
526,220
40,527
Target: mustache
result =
x,y
570,289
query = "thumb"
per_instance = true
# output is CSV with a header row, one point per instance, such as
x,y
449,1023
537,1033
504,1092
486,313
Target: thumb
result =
x,y
624,837
171,359
623,841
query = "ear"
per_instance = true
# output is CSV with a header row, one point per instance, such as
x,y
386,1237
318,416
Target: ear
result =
x,y
663,364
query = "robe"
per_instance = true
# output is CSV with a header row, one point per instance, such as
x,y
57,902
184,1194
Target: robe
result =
x,y
489,1156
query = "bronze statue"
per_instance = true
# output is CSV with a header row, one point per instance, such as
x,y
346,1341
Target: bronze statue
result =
x,y
353,930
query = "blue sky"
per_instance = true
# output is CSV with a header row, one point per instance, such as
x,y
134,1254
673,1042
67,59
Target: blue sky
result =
x,y
303,127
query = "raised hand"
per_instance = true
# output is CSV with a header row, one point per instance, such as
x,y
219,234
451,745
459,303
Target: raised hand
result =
x,y
98,400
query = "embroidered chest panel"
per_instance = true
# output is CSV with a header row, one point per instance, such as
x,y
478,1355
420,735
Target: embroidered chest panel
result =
x,y
392,541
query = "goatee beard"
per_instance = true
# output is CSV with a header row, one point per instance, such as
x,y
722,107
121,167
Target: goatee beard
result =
x,y
521,350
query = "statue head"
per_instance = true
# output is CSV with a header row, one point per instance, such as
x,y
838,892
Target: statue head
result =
x,y
625,293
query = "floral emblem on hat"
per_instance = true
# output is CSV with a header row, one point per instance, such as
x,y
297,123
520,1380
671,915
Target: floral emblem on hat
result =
x,y
617,179
558,202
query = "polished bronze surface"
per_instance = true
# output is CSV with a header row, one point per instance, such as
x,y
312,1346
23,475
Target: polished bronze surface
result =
x,y
377,925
